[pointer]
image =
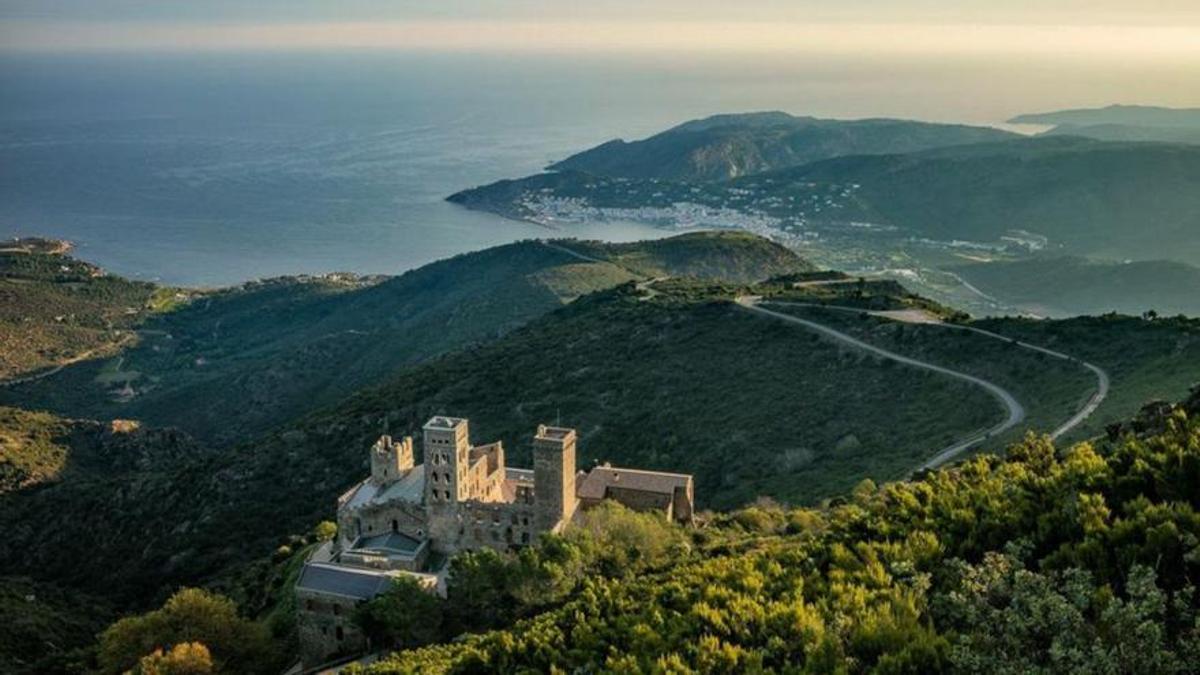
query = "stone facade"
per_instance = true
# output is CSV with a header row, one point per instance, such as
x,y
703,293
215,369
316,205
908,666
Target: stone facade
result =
x,y
461,497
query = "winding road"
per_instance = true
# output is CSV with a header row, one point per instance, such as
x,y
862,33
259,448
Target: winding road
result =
x,y
1016,412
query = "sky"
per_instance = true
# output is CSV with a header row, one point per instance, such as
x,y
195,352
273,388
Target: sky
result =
x,y
1115,30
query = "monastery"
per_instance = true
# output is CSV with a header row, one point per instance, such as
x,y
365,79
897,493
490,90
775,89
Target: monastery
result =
x,y
409,519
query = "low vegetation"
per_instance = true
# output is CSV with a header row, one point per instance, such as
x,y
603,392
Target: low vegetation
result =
x,y
54,308
1076,559
240,361
1058,287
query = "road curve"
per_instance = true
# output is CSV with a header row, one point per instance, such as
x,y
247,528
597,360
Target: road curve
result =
x,y
1103,381
1016,412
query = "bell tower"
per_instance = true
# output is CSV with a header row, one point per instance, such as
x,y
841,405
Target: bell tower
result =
x,y
447,448
553,476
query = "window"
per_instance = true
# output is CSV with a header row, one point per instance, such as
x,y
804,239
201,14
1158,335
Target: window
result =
x,y
340,635
337,610
395,525
446,476
524,537
308,604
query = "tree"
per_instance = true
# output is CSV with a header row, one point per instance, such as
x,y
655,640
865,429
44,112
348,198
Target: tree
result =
x,y
191,615
406,615
186,658
325,531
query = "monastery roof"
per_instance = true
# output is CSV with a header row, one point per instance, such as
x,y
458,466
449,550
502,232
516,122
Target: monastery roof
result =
x,y
409,488
595,485
349,582
391,542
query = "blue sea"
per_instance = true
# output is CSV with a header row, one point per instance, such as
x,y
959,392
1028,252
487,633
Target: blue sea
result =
x,y
211,169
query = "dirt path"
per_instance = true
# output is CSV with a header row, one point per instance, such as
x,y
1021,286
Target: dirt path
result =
x,y
71,361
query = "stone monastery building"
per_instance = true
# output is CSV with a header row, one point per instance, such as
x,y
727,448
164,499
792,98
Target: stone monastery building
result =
x,y
407,518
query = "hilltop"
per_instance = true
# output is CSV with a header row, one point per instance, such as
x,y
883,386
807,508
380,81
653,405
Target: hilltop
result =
x,y
728,146
238,361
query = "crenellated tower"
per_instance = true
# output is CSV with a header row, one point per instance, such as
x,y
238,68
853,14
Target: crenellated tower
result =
x,y
391,460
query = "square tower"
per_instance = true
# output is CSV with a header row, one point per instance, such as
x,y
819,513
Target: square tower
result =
x,y
391,460
447,446
553,476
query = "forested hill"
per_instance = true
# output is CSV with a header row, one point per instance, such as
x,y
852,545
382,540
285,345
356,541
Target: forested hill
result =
x,y
227,364
1120,200
727,146
1069,559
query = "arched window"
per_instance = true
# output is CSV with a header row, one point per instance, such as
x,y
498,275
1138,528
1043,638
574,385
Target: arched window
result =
x,y
395,525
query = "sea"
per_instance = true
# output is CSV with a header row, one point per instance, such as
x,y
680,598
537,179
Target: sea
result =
x,y
216,168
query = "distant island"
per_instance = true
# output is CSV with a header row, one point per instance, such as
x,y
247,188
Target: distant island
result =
x,y
1122,123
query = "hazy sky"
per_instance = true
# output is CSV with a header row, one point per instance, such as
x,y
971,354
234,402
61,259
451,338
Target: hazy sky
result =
x,y
1113,29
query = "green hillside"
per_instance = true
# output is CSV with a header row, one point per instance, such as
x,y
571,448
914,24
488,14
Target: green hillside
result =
x,y
238,361
677,378
1119,200
54,308
1070,559
1072,286
727,146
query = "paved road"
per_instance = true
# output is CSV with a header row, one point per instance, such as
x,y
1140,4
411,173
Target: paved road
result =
x,y
1016,412
1103,381
1102,378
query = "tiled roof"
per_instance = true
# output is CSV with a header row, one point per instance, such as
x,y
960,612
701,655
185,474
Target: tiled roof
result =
x,y
597,482
345,581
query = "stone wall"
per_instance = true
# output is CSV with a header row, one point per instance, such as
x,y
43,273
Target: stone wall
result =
x,y
325,627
